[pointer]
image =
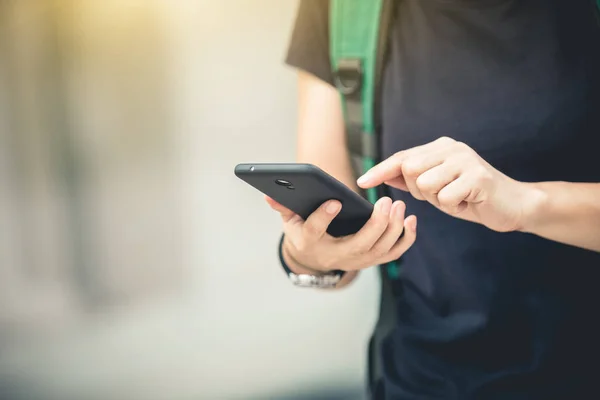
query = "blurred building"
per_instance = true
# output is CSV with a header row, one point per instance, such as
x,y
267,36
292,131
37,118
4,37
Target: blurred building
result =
x,y
133,265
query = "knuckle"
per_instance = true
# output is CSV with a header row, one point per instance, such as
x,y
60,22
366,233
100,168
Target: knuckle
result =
x,y
361,249
476,193
443,198
485,173
462,158
445,203
378,229
423,183
481,175
379,250
463,146
387,256
378,221
417,194
451,204
399,154
445,140
410,167
466,151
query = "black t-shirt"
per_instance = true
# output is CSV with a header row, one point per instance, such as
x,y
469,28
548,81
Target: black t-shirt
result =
x,y
483,314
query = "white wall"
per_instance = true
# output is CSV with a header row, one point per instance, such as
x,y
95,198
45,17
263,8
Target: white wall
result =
x,y
239,105
239,330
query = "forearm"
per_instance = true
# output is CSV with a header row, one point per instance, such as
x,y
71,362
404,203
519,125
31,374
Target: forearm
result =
x,y
321,129
565,212
322,142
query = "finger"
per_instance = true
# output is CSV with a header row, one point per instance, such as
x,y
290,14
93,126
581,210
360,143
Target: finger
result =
x,y
317,223
274,204
361,242
398,183
432,181
392,168
393,231
453,197
286,213
387,170
413,189
293,232
410,235
421,163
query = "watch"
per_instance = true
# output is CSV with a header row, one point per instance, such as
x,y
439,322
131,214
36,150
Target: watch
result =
x,y
322,281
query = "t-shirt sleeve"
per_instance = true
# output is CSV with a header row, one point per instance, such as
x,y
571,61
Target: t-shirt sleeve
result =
x,y
309,45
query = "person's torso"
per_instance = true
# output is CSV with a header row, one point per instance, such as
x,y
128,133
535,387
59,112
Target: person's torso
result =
x,y
482,313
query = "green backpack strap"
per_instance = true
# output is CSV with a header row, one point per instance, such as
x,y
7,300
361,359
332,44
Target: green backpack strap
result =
x,y
356,46
358,40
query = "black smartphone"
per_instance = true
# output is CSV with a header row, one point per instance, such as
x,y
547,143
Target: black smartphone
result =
x,y
303,188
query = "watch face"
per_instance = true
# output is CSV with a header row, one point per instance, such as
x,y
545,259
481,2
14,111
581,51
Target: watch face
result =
x,y
325,281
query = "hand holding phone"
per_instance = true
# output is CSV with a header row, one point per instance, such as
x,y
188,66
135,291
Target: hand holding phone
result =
x,y
377,242
308,240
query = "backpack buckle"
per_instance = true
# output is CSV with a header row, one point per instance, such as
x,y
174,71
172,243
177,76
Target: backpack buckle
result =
x,y
361,143
348,76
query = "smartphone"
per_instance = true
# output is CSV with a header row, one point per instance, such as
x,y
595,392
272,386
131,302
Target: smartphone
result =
x,y
303,188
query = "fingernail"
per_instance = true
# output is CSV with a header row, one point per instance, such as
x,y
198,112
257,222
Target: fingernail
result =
x,y
333,207
414,226
364,179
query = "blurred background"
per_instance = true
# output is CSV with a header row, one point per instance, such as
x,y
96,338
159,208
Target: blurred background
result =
x,y
133,264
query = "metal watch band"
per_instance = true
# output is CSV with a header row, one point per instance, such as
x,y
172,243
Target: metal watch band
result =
x,y
314,281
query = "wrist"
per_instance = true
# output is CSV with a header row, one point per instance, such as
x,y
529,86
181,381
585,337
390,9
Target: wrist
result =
x,y
535,206
303,276
293,265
